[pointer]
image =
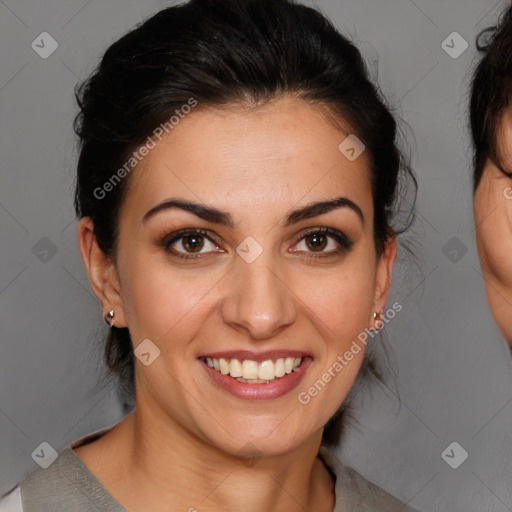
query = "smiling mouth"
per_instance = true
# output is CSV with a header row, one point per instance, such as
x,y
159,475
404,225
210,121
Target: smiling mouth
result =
x,y
251,372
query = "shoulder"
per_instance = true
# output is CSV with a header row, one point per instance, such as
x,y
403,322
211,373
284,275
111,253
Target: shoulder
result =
x,y
11,502
360,494
62,483
39,489
367,494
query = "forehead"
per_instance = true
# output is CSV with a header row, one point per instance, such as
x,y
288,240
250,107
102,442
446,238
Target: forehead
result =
x,y
269,157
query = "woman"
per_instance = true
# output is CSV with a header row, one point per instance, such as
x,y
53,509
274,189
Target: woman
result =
x,y
491,127
236,184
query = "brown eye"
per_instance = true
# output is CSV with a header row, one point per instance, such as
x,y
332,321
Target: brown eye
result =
x,y
324,242
316,241
193,242
189,242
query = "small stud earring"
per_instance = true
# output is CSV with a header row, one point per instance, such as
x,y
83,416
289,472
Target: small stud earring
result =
x,y
109,318
377,316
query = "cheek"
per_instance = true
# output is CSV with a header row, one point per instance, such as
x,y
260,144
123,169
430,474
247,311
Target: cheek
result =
x,y
341,298
161,301
493,224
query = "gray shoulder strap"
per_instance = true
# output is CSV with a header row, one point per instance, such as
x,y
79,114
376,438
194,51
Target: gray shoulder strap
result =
x,y
67,485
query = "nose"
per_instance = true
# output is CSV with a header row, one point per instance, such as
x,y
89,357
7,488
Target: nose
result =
x,y
258,300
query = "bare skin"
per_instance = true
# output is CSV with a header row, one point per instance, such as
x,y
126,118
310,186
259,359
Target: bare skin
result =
x,y
492,208
109,457
180,449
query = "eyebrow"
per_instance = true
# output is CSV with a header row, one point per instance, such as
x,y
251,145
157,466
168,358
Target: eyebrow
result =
x,y
217,216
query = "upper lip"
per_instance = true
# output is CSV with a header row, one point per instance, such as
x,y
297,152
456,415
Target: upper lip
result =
x,y
256,356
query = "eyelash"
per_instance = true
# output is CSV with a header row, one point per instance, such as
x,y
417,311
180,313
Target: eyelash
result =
x,y
342,239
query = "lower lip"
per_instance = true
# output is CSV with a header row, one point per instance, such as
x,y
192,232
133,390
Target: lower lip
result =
x,y
274,389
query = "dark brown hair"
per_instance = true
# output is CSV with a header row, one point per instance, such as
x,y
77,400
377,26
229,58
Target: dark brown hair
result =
x,y
491,90
224,52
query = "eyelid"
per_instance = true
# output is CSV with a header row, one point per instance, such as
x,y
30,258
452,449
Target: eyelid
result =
x,y
339,237
170,238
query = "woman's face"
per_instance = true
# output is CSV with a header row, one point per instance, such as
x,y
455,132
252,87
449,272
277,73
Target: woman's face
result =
x,y
250,286
493,221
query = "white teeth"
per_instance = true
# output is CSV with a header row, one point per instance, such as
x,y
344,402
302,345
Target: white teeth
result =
x,y
224,366
249,369
252,371
279,368
252,381
266,370
235,368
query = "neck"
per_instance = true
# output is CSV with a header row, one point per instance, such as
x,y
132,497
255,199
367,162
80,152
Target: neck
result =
x,y
164,463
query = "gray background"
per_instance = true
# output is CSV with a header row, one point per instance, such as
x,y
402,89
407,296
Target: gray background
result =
x,y
454,369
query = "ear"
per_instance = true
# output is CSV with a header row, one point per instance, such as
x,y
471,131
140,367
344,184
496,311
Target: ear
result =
x,y
383,279
102,272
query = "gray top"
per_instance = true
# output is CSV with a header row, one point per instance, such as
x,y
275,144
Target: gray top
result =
x,y
67,485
